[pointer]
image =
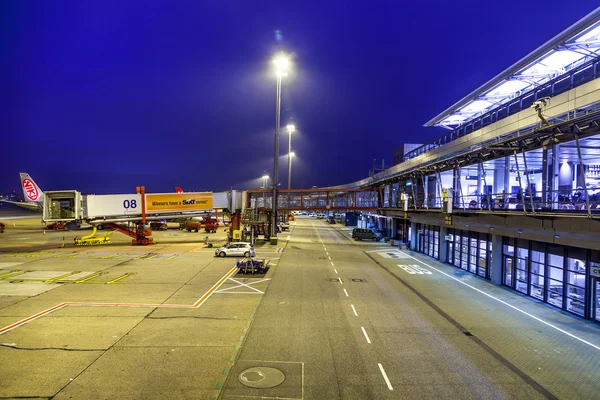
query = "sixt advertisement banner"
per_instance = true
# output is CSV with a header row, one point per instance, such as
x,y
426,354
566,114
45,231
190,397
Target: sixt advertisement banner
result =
x,y
174,202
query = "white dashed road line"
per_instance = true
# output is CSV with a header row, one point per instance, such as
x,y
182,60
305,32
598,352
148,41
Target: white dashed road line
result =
x,y
387,381
365,333
347,295
354,309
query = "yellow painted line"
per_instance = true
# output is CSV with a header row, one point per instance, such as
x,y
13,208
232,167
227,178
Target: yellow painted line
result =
x,y
91,277
13,274
172,257
62,276
8,272
120,277
151,257
76,255
116,255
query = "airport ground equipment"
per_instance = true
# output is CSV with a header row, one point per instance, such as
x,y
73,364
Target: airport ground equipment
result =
x,y
158,226
92,239
193,226
210,224
140,236
252,266
1,227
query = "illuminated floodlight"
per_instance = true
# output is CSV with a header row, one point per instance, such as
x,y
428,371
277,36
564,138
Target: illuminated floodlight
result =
x,y
292,154
282,63
265,177
291,128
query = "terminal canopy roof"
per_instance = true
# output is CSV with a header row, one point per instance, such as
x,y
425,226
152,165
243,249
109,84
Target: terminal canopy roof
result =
x,y
571,48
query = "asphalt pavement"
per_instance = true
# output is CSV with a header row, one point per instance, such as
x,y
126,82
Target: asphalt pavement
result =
x,y
364,320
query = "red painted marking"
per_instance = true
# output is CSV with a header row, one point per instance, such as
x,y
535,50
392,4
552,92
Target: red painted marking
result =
x,y
83,304
30,189
31,318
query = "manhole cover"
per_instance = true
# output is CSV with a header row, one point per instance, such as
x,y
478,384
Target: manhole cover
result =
x,y
261,377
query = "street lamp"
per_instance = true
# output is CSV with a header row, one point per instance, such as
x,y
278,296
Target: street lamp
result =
x,y
290,156
282,64
265,180
290,128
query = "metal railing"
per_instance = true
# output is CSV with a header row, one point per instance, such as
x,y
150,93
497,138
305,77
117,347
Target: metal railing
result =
x,y
568,201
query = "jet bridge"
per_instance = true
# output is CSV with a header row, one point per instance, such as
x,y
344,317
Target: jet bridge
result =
x,y
73,207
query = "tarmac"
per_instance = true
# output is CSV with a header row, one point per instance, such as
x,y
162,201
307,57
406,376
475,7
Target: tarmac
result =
x,y
337,319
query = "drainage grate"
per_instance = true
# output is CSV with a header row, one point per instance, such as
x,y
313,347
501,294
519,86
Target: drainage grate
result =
x,y
357,280
468,333
334,280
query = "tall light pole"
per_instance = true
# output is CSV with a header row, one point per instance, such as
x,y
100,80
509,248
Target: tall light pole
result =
x,y
291,129
282,64
265,180
291,155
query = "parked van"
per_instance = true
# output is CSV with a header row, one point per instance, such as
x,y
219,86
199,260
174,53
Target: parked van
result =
x,y
366,233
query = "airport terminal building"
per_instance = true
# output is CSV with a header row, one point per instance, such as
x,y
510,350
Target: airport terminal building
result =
x,y
511,192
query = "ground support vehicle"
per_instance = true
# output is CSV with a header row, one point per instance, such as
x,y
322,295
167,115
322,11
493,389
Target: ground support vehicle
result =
x,y
140,236
56,225
1,227
210,224
193,226
252,266
92,239
159,226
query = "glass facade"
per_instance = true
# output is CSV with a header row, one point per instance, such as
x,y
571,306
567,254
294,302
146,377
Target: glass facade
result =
x,y
470,251
429,240
555,274
565,277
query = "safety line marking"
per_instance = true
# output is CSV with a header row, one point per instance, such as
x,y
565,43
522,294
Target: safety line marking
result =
x,y
385,377
332,264
354,309
197,304
507,304
340,279
365,333
335,270
346,293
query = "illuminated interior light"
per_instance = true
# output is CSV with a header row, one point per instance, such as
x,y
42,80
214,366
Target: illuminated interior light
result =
x,y
508,88
558,60
592,34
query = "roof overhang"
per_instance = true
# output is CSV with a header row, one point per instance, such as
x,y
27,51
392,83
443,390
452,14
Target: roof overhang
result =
x,y
571,48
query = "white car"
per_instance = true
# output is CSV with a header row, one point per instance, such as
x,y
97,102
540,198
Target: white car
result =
x,y
239,249
312,215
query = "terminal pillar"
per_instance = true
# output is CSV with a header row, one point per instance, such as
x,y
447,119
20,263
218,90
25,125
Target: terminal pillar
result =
x,y
443,250
496,261
414,233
